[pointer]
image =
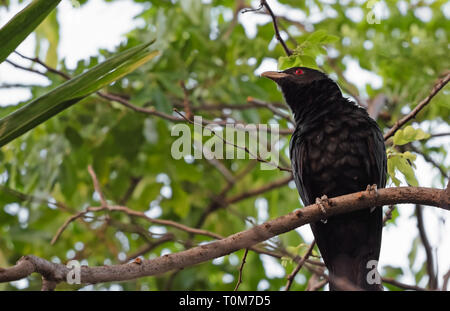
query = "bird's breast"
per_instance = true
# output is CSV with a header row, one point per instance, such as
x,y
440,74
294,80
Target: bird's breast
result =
x,y
336,151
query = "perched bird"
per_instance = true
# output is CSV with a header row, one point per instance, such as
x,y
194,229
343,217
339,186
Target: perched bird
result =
x,y
336,149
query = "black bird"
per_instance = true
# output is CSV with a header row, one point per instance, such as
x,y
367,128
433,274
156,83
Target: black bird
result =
x,y
336,149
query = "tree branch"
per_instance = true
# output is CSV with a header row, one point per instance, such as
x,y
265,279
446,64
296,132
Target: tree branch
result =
x,y
432,282
436,88
291,276
240,270
259,159
245,239
275,26
402,285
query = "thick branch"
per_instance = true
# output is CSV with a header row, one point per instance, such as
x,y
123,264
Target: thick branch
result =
x,y
240,240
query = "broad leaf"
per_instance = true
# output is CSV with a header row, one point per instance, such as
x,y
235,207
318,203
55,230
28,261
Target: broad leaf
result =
x,y
22,24
72,91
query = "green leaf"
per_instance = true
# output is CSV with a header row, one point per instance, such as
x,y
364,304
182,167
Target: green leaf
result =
x,y
22,24
48,32
392,272
409,134
285,62
406,169
72,91
403,162
322,37
306,52
392,163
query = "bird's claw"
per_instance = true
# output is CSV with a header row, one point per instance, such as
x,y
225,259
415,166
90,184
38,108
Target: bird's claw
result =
x,y
322,203
372,189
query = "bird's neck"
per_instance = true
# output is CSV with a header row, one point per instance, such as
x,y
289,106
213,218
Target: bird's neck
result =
x,y
310,102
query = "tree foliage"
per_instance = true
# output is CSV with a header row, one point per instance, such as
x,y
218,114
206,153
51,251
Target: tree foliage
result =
x,y
207,62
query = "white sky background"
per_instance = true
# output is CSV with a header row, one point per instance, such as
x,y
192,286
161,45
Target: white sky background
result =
x,y
101,25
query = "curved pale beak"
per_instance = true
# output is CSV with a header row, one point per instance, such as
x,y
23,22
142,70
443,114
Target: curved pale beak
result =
x,y
274,75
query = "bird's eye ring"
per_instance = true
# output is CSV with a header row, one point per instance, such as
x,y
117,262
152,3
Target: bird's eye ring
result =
x,y
299,72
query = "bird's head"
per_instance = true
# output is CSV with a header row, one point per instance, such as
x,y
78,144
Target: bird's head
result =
x,y
296,76
302,86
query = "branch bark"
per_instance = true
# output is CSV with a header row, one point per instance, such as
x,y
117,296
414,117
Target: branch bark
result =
x,y
432,282
436,88
245,239
275,26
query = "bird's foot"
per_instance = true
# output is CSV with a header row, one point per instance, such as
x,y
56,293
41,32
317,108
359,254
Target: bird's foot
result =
x,y
372,189
322,203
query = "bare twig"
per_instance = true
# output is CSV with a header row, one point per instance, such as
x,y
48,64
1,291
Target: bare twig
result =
x,y
445,280
240,270
48,285
97,186
16,85
432,277
388,214
47,67
275,26
315,284
245,239
429,159
291,276
375,105
26,197
439,135
436,88
402,285
240,4
186,103
134,181
259,159
149,246
272,108
25,68
270,186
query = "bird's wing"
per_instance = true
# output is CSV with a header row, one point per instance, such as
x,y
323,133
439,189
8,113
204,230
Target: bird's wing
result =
x,y
298,154
377,156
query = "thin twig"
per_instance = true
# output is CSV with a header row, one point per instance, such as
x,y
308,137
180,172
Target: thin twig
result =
x,y
47,67
317,285
97,186
429,159
241,240
151,110
445,281
275,26
17,85
432,277
26,197
273,185
388,214
25,68
240,270
286,169
402,285
150,246
436,88
439,135
271,107
291,276
186,102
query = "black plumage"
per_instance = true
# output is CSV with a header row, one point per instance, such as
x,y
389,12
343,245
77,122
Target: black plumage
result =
x,y
336,149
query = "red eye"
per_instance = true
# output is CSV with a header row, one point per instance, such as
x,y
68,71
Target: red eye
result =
x,y
299,72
